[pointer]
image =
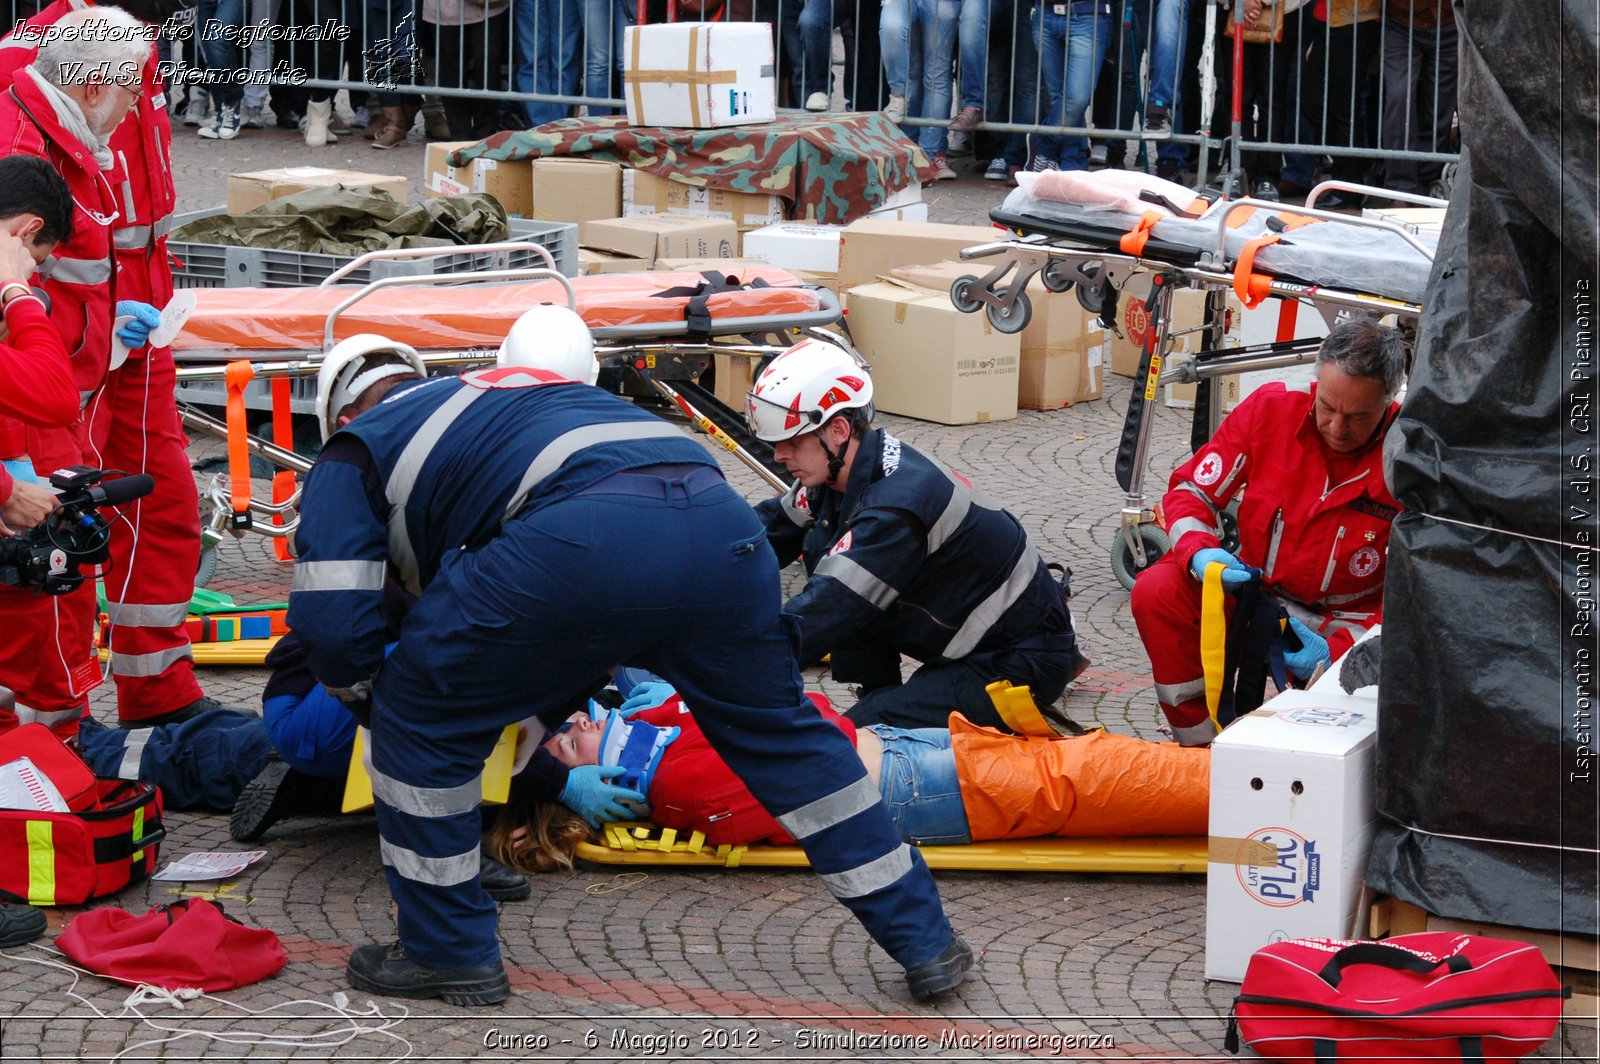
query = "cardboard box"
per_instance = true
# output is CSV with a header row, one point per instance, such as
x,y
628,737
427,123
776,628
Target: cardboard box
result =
x,y
672,236
1291,825
735,374
929,360
1188,314
509,182
1063,348
699,75
248,191
576,190
1415,220
644,193
906,212
591,262
796,246
1181,396
872,247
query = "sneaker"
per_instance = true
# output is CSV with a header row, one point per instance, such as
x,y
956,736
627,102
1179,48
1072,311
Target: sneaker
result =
x,y
944,972
251,118
387,970
958,144
279,792
1157,123
1098,154
817,101
999,170
941,168
198,109
969,119
19,924
1037,163
1266,190
499,882
226,126
895,109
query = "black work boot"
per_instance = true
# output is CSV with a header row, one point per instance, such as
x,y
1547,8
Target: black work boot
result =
x,y
19,924
944,972
387,970
279,791
200,705
501,883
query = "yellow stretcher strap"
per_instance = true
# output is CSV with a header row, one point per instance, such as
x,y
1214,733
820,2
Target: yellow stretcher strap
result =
x,y
41,863
1213,635
638,837
496,772
1018,709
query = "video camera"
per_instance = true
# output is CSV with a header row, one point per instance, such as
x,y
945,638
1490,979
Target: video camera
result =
x,y
49,556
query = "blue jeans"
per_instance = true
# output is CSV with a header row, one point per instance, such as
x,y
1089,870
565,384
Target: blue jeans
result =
x,y
220,52
935,24
1014,57
1072,44
547,62
919,785
603,23
974,38
818,20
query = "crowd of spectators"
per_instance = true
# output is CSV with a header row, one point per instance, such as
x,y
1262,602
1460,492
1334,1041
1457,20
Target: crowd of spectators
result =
x,y
1355,81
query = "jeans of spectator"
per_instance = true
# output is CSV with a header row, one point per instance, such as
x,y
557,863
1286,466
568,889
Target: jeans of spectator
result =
x,y
319,58
934,24
603,23
1343,59
1073,38
1117,102
468,57
386,47
920,786
974,52
1419,97
216,19
818,20
260,51
547,60
1014,70
784,18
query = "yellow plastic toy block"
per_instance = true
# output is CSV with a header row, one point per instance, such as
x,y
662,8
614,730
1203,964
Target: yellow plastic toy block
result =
x,y
496,772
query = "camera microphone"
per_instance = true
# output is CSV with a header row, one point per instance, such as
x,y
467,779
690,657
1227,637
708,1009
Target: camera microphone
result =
x,y
122,490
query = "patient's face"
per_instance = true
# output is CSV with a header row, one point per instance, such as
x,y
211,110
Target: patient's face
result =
x,y
1348,409
578,745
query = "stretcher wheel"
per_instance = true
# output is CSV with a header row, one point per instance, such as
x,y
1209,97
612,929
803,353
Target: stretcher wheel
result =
x,y
961,295
1055,277
1156,544
1011,319
1087,299
207,567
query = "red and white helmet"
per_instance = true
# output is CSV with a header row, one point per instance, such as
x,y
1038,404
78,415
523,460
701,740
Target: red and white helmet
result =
x,y
804,387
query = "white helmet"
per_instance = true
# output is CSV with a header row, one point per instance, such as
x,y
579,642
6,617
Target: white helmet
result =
x,y
805,386
551,338
343,377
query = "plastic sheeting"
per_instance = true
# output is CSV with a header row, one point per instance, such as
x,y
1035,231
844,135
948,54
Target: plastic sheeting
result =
x,y
463,316
1486,780
351,221
1353,257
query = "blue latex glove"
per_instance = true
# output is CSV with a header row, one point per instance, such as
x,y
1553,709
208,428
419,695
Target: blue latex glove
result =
x,y
647,695
145,318
589,795
1313,652
1235,576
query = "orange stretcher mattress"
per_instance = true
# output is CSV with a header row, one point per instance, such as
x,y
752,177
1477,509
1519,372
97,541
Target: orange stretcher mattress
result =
x,y
474,315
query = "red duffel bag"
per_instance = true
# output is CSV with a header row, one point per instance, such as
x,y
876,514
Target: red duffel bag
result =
x,y
1438,995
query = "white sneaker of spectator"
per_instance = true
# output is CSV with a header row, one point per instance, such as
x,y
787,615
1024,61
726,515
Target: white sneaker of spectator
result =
x,y
1097,155
250,118
958,144
817,101
226,127
895,109
198,109
941,169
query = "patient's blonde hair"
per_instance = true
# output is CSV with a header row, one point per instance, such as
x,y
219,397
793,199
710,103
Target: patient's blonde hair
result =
x,y
533,836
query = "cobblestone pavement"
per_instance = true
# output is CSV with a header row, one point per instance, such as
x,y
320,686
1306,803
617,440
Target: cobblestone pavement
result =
x,y
715,965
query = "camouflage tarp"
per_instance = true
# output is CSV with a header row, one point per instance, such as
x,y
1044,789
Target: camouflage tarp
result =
x,y
352,221
830,168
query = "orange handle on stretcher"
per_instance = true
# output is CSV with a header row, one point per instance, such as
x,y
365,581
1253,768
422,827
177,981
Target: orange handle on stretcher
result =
x,y
237,377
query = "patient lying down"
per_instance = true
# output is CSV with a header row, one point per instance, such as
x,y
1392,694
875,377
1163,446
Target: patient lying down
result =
x,y
943,786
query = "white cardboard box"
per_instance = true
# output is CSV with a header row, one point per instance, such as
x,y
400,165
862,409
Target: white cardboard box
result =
x,y
796,246
1291,825
699,75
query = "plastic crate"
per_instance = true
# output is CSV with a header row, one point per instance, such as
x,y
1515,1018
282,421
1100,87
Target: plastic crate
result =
x,y
222,266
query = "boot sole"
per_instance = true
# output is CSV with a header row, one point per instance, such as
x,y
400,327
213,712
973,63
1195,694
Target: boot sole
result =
x,y
23,935
946,976
465,992
254,814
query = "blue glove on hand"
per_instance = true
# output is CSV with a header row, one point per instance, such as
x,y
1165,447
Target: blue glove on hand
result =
x,y
589,795
1313,652
1235,576
145,318
647,695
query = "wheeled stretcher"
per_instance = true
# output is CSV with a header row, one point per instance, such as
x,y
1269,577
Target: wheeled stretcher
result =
x,y
1334,263
656,334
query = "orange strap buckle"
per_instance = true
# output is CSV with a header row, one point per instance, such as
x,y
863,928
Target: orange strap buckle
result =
x,y
237,377
1134,240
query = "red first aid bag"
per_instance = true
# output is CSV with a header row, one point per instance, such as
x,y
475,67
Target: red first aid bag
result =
x,y
1438,995
191,943
70,858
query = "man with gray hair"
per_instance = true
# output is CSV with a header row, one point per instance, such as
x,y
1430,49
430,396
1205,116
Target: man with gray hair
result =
x,y
63,109
1314,523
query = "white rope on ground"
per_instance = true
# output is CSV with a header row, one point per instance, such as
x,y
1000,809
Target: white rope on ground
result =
x,y
332,1037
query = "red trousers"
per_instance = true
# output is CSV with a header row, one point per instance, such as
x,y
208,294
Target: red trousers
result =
x,y
1166,608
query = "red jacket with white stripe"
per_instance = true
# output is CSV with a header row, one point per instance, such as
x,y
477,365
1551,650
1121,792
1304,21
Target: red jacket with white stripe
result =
x,y
1315,523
